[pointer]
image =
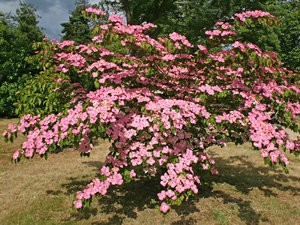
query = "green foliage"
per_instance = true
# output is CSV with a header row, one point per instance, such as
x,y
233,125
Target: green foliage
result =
x,y
17,33
266,37
190,18
289,31
193,17
77,28
283,39
43,96
50,91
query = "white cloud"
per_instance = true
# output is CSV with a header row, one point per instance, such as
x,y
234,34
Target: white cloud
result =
x,y
8,6
52,12
52,18
53,15
94,2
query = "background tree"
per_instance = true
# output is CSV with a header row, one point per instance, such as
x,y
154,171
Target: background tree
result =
x,y
77,28
188,17
283,39
17,34
289,33
193,17
6,37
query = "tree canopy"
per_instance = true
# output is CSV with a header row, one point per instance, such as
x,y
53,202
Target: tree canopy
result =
x,y
193,17
17,34
77,28
288,12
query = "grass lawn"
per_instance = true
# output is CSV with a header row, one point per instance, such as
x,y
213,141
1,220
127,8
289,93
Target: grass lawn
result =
x,y
40,191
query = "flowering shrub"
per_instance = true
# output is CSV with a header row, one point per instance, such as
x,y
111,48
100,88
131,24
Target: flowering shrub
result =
x,y
164,103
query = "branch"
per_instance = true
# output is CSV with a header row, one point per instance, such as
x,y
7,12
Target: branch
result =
x,y
126,8
161,10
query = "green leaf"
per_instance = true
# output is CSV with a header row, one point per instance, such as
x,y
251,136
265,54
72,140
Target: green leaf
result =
x,y
126,176
268,161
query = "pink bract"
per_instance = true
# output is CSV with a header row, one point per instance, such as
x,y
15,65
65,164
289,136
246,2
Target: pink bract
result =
x,y
164,207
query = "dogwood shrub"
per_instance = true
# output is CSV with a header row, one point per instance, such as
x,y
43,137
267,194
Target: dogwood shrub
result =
x,y
163,103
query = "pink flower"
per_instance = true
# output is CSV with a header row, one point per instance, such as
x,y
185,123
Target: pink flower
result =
x,y
273,157
203,49
96,11
279,142
77,204
116,19
179,188
150,161
79,195
132,174
16,154
170,193
290,145
205,166
169,57
117,179
105,170
86,194
4,133
264,153
12,128
194,189
175,36
214,171
65,70
162,195
75,131
270,146
218,24
29,153
284,160
226,26
164,207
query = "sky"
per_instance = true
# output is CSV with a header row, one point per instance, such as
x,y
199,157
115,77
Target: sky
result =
x,y
52,12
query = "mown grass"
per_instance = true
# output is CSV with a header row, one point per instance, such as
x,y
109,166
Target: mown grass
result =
x,y
246,191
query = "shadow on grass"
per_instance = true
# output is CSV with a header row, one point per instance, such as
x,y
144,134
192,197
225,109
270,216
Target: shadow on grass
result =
x,y
246,212
76,184
97,164
245,176
129,199
126,201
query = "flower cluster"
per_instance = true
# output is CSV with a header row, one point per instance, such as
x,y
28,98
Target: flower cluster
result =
x,y
255,14
96,11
